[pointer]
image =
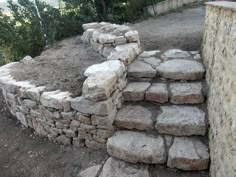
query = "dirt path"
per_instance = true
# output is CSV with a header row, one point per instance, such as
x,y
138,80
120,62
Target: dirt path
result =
x,y
183,29
22,154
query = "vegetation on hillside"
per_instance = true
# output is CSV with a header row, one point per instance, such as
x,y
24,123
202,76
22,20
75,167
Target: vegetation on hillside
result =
x,y
33,24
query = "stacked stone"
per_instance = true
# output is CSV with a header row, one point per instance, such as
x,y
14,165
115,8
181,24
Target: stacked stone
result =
x,y
88,119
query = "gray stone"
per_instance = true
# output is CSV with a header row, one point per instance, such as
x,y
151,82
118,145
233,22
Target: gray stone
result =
x,y
34,93
120,40
186,93
21,117
179,69
140,69
77,142
95,145
86,106
54,99
134,117
29,103
118,168
132,36
152,61
137,147
104,120
63,140
148,54
176,54
181,121
100,85
91,171
106,38
158,93
107,51
135,91
188,154
96,46
93,25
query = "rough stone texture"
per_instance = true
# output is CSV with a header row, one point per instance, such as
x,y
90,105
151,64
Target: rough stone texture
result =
x,y
186,93
118,168
181,121
176,54
135,91
85,106
157,92
132,36
107,66
147,54
99,86
188,154
106,38
152,61
134,117
91,171
54,99
141,69
136,147
180,69
219,58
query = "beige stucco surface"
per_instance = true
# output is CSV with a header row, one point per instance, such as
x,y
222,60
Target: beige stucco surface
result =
x,y
219,53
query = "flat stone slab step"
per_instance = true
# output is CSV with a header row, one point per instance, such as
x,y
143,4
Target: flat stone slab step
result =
x,y
134,117
188,154
181,121
176,93
137,147
173,64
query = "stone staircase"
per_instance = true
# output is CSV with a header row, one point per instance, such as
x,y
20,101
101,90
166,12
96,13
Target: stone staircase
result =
x,y
163,119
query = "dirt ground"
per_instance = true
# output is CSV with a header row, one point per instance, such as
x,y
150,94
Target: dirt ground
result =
x,y
24,154
61,67
182,29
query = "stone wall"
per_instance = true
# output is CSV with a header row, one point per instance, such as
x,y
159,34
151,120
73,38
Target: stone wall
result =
x,y
219,53
167,6
86,120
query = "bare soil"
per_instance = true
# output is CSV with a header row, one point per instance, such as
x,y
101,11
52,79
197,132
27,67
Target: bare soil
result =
x,y
182,30
24,154
60,67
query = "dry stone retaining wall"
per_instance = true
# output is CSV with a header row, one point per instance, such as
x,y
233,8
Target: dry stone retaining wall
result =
x,y
219,54
88,119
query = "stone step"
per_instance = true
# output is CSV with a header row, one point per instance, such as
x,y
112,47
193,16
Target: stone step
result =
x,y
167,120
174,92
136,147
173,64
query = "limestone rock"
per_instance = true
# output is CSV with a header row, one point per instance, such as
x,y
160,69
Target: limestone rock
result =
x,y
132,36
176,54
93,25
137,147
117,168
106,38
135,91
108,66
152,61
63,140
119,40
179,69
186,93
21,117
86,106
188,154
34,93
141,69
181,121
91,171
148,54
54,99
157,92
99,86
134,117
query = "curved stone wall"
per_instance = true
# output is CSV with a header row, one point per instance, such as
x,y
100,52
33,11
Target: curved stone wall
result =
x,y
86,120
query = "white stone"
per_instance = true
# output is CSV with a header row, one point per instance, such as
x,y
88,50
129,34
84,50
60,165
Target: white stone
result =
x,y
137,147
34,93
132,36
91,171
139,69
99,86
152,61
118,168
188,154
176,54
119,40
134,117
108,66
106,38
148,54
54,99
92,25
179,69
181,121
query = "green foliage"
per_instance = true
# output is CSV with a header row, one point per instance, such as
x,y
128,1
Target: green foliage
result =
x,y
23,32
